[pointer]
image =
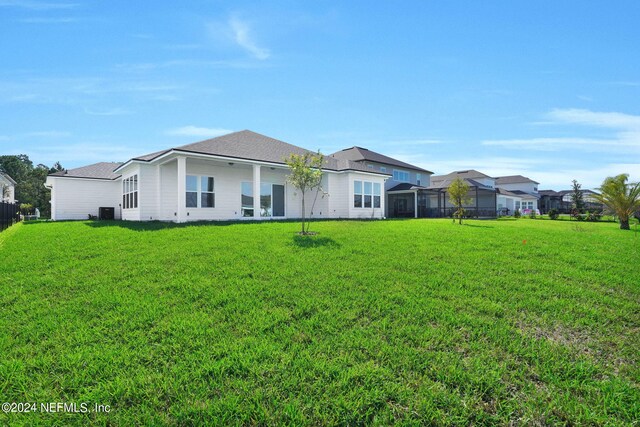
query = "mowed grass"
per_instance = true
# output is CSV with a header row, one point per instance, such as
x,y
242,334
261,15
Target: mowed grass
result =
x,y
368,323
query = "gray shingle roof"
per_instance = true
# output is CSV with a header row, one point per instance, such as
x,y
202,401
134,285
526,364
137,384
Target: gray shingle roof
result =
x,y
248,145
514,179
507,192
407,186
549,193
471,173
359,154
442,184
102,170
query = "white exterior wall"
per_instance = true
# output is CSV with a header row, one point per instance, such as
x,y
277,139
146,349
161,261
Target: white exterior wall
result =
x,y
131,214
338,206
508,202
365,213
527,187
76,198
11,190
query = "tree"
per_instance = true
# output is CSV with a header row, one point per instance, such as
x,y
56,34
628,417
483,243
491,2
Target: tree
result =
x,y
577,198
620,197
29,181
305,175
458,191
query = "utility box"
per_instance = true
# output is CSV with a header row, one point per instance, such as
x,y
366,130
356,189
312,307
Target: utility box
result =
x,y
106,213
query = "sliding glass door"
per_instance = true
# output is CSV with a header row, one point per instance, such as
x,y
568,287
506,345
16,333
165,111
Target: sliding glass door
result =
x,y
271,199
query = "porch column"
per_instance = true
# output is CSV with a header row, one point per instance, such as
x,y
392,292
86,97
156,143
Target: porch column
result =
x,y
182,189
415,204
256,191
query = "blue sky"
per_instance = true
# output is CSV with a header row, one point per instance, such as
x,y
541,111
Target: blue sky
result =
x,y
547,89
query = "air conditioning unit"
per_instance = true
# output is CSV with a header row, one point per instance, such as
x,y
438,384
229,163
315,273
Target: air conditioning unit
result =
x,y
106,213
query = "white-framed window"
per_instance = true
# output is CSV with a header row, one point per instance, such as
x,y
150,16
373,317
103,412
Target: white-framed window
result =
x,y
418,178
383,169
200,192
517,204
366,194
527,205
130,192
402,176
370,166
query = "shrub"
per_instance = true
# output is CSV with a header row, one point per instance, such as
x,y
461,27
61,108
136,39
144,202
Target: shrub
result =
x,y
532,214
26,208
517,214
553,214
594,216
575,214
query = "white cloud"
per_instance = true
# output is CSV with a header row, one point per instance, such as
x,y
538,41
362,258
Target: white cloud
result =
x,y
624,128
589,178
198,131
47,134
242,35
108,112
36,5
41,20
612,120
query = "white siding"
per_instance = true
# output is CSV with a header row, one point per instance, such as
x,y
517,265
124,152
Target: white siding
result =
x,y
365,213
148,192
131,214
338,195
75,198
10,190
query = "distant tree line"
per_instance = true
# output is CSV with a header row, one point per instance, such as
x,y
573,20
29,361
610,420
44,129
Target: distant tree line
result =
x,y
30,179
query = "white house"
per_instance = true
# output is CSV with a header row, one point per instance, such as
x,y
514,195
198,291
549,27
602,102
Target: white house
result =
x,y
237,176
518,186
7,188
402,189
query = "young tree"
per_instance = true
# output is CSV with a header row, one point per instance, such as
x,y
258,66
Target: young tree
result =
x,y
621,197
577,198
458,191
305,175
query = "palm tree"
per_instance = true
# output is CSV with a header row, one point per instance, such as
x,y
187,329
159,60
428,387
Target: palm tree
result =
x,y
620,197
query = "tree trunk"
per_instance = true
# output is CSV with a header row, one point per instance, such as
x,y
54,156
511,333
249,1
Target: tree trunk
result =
x,y
303,213
624,224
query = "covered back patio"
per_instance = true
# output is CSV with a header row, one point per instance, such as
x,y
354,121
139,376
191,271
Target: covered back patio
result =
x,y
414,201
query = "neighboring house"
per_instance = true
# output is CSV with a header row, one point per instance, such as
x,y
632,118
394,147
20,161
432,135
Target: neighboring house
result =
x,y
563,202
401,189
550,199
520,186
241,175
7,188
482,194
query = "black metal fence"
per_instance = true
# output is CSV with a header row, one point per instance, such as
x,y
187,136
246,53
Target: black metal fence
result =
x,y
448,212
9,214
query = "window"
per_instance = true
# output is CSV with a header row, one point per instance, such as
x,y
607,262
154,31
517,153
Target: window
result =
x,y
418,178
402,176
370,166
357,194
383,169
207,197
247,199
130,192
366,194
200,192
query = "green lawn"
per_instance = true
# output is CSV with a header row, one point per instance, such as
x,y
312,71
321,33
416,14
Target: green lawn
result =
x,y
376,322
